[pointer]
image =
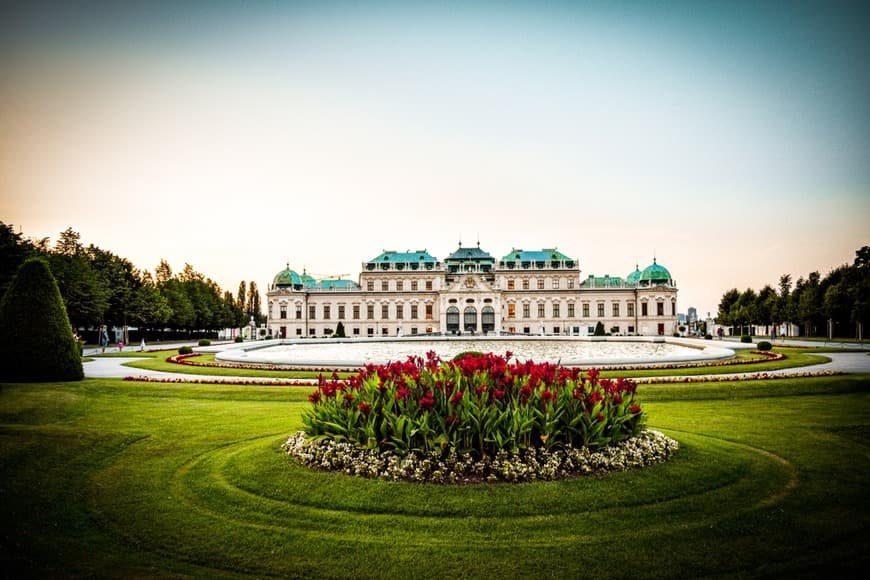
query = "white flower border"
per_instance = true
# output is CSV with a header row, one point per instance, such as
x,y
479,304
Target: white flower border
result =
x,y
648,448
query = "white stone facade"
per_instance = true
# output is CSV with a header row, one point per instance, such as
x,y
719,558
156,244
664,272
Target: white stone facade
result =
x,y
402,294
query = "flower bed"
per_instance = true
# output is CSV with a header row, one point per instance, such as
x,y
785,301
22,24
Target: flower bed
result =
x,y
477,406
533,464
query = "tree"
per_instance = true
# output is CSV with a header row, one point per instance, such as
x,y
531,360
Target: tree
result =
x,y
254,303
241,297
599,329
339,330
149,308
726,304
13,251
162,273
85,296
36,339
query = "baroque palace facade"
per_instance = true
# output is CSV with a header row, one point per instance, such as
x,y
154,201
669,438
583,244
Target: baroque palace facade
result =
x,y
470,292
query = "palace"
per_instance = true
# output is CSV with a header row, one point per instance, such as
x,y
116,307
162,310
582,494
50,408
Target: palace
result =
x,y
470,292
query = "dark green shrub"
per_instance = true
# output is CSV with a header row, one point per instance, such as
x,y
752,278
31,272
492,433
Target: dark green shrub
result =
x,y
339,330
708,337
185,350
36,339
599,329
745,338
764,345
239,339
204,342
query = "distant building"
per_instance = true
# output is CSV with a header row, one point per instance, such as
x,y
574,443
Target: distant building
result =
x,y
692,315
471,292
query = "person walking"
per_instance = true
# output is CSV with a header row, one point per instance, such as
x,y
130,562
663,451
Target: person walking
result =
x,y
104,337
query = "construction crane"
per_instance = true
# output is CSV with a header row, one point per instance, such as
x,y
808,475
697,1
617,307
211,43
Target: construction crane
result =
x,y
320,277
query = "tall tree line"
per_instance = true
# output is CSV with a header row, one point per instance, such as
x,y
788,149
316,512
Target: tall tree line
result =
x,y
842,297
99,287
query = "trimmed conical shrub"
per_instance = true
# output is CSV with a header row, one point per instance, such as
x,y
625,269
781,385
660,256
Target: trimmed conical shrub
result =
x,y
36,338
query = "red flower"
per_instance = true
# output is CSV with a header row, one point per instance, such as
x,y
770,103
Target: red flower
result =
x,y
634,408
427,402
314,397
456,398
547,395
497,394
364,408
600,417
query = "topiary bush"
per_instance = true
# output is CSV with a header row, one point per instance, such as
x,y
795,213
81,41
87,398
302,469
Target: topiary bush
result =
x,y
599,329
238,339
745,338
204,342
764,346
185,350
708,337
37,343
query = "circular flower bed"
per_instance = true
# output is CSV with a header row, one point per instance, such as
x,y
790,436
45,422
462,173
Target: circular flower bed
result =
x,y
532,464
479,417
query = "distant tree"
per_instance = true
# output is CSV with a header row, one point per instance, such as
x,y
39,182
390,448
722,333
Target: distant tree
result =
x,y
241,297
339,330
599,329
14,249
162,273
254,303
85,295
726,304
36,339
149,308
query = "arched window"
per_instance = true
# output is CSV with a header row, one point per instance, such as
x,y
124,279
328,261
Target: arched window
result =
x,y
470,319
452,319
487,319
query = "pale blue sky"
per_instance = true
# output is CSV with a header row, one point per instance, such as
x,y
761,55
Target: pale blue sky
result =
x,y
240,136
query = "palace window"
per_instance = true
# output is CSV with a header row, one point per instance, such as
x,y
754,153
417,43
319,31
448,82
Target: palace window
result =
x,y
643,309
541,310
413,330
616,309
356,311
385,311
510,284
341,311
356,331
570,310
311,312
400,285
630,308
556,284
540,283
370,285
283,311
298,313
298,332
556,309
570,283
326,311
512,310
370,311
525,284
660,308
585,311
400,311
413,285
428,312
370,331
526,311
600,310
673,308
413,312
428,284
385,285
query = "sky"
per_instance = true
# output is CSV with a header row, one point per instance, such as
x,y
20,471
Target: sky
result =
x,y
729,140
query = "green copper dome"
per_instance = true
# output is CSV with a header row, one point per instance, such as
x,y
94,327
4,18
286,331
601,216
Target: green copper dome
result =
x,y
287,278
634,277
655,273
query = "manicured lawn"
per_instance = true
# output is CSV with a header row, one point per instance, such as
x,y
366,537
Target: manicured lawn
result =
x,y
111,478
